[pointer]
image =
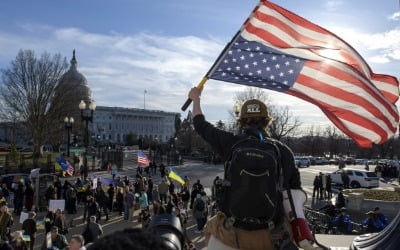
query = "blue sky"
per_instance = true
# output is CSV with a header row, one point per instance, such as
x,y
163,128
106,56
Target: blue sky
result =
x,y
124,47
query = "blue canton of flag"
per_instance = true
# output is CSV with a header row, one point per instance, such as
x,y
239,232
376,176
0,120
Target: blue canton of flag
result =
x,y
254,64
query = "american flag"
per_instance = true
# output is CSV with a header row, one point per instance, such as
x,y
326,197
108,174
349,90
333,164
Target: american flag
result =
x,y
278,50
142,159
70,169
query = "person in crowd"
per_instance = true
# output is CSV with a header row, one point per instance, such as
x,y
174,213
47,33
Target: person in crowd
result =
x,y
345,179
340,201
129,203
19,194
158,208
217,185
79,190
126,181
193,194
198,185
58,241
162,170
329,209
144,202
254,120
5,193
323,186
150,187
102,199
199,212
119,200
58,188
29,193
372,224
379,215
163,190
170,205
70,200
91,208
343,222
186,182
110,193
329,187
29,228
317,186
50,193
185,194
6,220
49,220
17,242
95,230
60,222
171,188
77,242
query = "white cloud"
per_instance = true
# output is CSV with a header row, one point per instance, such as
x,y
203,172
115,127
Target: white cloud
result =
x,y
395,16
381,47
333,4
378,59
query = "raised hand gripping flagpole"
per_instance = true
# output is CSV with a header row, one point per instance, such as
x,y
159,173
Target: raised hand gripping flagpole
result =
x,y
217,62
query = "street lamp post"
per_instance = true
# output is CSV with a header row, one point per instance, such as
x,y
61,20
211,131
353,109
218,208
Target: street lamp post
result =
x,y
68,121
86,116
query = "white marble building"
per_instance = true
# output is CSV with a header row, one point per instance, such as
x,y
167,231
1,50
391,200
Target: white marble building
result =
x,y
115,123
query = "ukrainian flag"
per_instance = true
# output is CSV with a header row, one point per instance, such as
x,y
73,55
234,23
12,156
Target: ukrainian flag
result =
x,y
26,237
174,175
57,167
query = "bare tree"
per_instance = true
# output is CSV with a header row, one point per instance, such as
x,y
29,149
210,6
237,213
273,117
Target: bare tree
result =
x,y
283,124
29,89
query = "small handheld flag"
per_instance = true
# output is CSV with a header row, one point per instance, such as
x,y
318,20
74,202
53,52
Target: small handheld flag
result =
x,y
174,175
142,159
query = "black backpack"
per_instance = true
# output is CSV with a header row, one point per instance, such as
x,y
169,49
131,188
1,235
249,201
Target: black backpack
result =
x,y
251,197
200,204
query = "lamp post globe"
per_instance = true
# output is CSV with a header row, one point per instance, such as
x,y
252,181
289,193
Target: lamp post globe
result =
x,y
68,121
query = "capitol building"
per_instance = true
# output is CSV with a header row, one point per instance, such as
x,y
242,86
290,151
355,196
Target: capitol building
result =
x,y
115,123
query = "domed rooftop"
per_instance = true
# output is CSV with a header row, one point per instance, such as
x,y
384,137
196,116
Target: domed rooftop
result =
x,y
74,79
71,89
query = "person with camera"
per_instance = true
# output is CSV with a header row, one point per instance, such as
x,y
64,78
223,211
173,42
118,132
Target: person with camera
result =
x,y
261,185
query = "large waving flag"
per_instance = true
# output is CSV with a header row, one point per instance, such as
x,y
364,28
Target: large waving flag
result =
x,y
142,159
174,175
278,50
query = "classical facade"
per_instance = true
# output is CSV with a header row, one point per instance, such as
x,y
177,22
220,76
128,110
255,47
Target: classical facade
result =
x,y
115,123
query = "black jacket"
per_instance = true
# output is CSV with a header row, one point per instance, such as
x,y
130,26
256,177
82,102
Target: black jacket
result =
x,y
222,142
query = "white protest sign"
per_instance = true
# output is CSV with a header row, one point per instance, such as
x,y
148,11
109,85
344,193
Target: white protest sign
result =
x,y
23,217
95,183
55,204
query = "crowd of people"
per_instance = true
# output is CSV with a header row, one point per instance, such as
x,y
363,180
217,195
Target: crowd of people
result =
x,y
98,201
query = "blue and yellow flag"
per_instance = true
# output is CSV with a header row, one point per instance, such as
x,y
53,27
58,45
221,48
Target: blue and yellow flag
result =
x,y
174,175
57,167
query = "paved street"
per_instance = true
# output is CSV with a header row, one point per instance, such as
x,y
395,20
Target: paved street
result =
x,y
195,170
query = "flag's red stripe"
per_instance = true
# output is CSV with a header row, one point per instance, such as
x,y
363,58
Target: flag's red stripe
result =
x,y
334,113
344,76
393,85
349,58
267,36
343,95
288,30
